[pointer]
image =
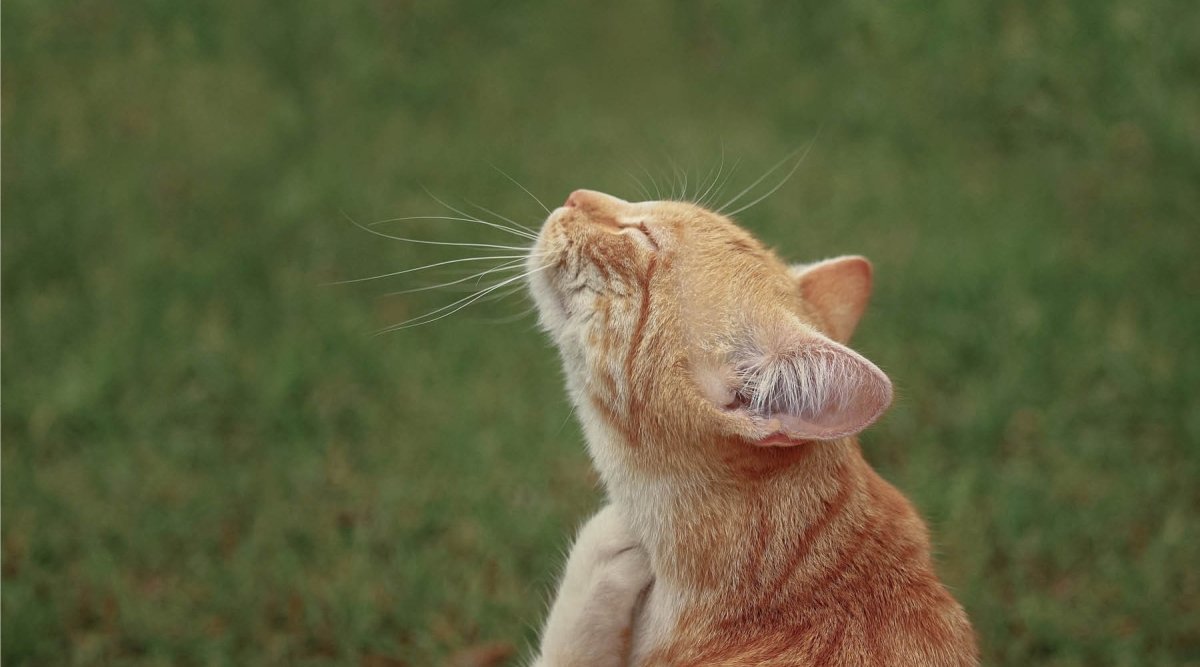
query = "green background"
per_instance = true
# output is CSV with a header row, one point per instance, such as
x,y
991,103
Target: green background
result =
x,y
209,458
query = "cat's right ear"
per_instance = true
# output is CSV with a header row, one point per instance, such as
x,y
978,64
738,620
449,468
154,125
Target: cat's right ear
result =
x,y
838,289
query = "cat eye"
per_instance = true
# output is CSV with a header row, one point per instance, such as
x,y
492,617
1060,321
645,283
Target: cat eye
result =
x,y
643,234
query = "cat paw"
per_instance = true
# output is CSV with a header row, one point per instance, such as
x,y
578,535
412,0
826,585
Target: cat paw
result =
x,y
626,571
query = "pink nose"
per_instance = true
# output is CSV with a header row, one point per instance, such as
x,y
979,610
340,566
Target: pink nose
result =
x,y
579,198
592,200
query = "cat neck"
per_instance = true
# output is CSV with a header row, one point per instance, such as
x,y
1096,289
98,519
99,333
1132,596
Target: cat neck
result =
x,y
762,525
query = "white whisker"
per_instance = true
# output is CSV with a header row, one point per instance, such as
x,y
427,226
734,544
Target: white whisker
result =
x,y
728,177
641,187
508,319
496,296
448,217
532,234
677,192
781,182
458,305
535,197
703,196
489,246
703,185
507,266
459,211
653,181
427,317
787,158
428,266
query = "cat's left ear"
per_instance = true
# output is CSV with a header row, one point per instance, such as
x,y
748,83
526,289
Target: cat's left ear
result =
x,y
799,385
838,289
784,383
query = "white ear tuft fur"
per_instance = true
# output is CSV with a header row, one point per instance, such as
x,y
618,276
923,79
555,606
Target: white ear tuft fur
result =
x,y
818,389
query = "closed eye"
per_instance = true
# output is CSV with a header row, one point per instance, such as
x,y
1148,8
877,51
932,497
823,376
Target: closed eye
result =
x,y
642,233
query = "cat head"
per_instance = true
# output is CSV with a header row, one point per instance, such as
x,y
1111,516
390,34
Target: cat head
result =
x,y
678,329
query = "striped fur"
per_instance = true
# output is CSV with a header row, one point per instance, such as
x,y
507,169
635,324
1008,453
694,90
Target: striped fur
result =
x,y
720,406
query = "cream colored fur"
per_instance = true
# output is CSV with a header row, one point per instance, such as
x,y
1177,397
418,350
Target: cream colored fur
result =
x,y
592,620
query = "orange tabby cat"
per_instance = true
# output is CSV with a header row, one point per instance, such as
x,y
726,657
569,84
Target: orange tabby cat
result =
x,y
721,406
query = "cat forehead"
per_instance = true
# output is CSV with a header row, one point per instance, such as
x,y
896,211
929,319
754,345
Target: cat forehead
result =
x,y
660,212
701,239
695,221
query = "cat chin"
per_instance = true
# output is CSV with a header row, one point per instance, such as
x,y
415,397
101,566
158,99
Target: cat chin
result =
x,y
553,315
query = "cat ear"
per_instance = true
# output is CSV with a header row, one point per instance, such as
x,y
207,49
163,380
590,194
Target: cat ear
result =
x,y
799,385
838,289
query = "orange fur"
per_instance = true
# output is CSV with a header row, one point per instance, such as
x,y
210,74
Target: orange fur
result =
x,y
770,539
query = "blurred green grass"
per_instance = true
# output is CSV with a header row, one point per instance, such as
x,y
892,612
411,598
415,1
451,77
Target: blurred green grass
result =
x,y
209,459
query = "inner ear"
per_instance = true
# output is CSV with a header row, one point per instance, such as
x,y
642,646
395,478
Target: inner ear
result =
x,y
809,388
838,290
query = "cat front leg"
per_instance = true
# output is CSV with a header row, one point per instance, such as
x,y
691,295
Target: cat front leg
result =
x,y
603,585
